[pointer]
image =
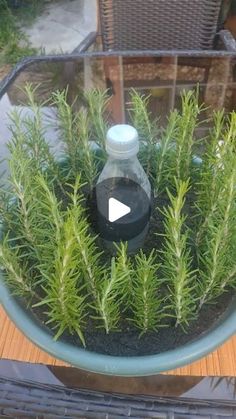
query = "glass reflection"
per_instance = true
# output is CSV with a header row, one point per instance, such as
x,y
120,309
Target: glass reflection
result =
x,y
188,387
163,78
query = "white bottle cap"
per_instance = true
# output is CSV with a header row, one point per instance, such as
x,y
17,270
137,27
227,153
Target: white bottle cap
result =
x,y
122,141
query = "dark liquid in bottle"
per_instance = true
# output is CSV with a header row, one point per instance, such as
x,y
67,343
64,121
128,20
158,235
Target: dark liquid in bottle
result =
x,y
129,193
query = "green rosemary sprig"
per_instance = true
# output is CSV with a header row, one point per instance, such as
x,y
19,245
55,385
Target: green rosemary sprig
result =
x,y
125,270
215,252
147,303
184,136
87,252
21,175
97,102
215,206
146,127
64,297
87,161
75,133
177,261
208,189
108,303
163,165
25,216
66,122
213,175
17,273
29,130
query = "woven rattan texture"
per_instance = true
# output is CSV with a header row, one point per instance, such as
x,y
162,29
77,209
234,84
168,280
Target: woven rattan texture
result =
x,y
20,399
159,24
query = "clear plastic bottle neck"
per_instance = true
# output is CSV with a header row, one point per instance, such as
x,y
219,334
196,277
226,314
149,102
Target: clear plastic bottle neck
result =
x,y
123,160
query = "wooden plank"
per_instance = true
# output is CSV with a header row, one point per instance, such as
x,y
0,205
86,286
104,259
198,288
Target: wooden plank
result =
x,y
14,345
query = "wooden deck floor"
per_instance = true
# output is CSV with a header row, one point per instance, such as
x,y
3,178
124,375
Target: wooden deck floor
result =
x,y
13,345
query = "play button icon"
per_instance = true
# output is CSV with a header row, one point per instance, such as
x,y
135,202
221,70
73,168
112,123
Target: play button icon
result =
x,y
117,210
123,209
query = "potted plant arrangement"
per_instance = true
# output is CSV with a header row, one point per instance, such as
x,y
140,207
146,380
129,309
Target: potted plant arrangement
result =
x,y
171,302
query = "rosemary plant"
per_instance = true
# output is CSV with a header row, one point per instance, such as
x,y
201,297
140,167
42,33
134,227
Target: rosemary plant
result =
x,y
146,127
163,170
87,252
109,304
177,260
184,134
208,189
64,298
216,206
170,155
125,269
67,126
50,253
97,101
31,218
18,276
75,133
30,131
147,304
87,158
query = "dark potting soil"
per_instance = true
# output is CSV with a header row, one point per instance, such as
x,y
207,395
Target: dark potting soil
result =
x,y
128,341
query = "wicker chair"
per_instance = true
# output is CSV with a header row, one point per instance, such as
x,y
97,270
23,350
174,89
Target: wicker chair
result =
x,y
157,25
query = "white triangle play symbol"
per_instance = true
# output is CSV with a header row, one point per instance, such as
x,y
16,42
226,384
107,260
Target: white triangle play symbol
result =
x,y
117,210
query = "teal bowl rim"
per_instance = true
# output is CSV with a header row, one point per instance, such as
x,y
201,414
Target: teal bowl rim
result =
x,y
81,358
223,329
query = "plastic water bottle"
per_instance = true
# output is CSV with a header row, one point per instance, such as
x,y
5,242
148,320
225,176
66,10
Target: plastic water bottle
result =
x,y
123,191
